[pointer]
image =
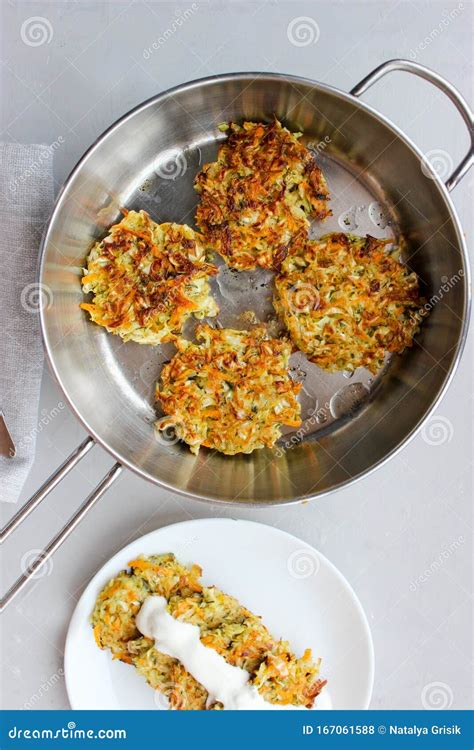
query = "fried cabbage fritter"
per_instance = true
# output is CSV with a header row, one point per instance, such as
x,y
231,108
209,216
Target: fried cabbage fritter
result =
x,y
231,391
346,302
147,279
259,194
225,625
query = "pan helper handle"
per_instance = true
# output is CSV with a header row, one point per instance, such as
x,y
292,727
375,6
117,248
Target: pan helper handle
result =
x,y
443,85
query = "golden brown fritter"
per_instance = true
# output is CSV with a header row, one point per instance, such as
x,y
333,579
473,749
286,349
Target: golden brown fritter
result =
x,y
259,194
114,614
231,391
346,302
147,279
225,625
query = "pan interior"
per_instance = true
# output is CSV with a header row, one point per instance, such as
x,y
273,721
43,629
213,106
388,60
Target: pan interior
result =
x,y
245,298
111,384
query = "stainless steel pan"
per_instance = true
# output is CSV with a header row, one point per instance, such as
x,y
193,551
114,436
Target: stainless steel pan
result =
x,y
380,183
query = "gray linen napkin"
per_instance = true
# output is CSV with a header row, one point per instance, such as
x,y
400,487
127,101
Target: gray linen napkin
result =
x,y
26,198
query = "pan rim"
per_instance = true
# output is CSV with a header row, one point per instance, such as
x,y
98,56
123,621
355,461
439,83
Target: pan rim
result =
x,y
251,76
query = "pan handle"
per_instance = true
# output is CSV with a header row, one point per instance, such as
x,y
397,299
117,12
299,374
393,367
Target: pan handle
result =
x,y
49,485
444,86
61,537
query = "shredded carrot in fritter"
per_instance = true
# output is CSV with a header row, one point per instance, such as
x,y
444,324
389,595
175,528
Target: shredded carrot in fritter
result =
x,y
258,195
346,302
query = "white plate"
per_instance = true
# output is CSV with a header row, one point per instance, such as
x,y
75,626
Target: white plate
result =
x,y
300,595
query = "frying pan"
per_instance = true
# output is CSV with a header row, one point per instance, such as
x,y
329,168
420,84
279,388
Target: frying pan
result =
x,y
380,183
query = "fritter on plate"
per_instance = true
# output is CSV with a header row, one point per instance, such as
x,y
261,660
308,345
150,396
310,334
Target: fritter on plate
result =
x,y
346,302
224,624
231,391
147,279
259,194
